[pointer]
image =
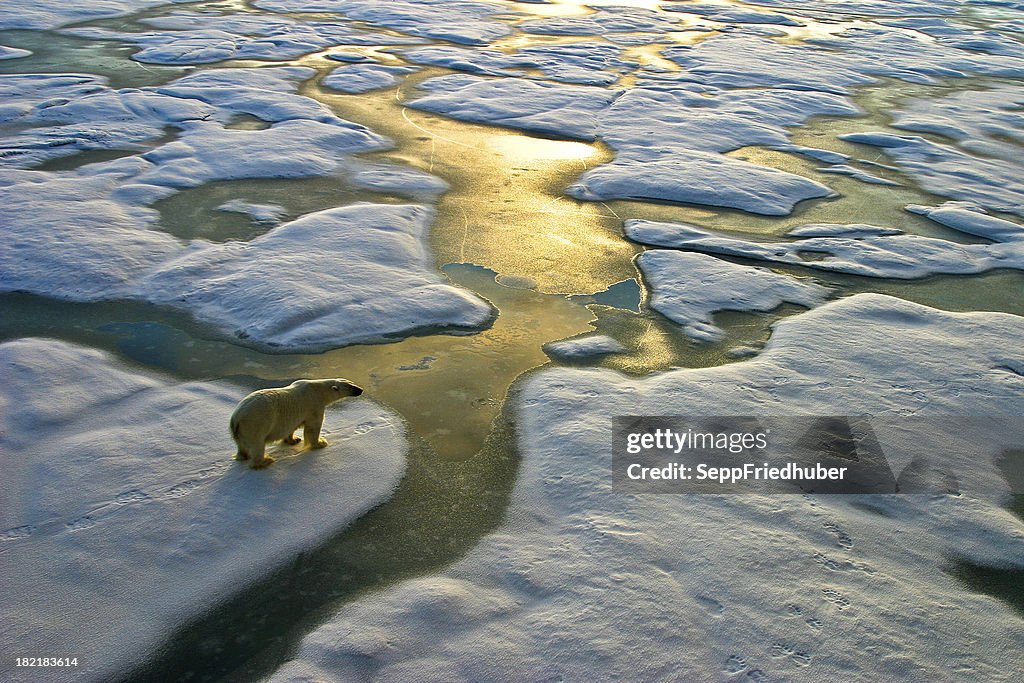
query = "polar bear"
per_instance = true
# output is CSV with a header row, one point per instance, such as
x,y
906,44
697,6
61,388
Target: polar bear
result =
x,y
274,415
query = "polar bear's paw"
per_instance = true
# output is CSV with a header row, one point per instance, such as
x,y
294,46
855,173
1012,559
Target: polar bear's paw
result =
x,y
260,464
241,455
320,443
291,439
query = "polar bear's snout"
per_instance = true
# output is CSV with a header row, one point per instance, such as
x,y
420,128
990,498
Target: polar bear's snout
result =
x,y
274,415
345,388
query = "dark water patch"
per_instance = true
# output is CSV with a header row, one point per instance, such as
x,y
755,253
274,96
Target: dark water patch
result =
x,y
626,295
78,159
193,213
242,121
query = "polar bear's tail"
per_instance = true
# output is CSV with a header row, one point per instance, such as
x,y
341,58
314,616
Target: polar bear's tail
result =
x,y
241,454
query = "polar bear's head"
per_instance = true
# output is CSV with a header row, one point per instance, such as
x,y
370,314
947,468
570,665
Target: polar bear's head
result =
x,y
331,390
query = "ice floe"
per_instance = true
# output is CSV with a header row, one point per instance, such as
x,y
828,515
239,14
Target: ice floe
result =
x,y
459,21
950,172
961,36
979,121
584,63
854,57
260,213
867,8
857,174
122,498
569,110
855,251
605,20
203,38
104,244
587,346
698,178
970,219
346,275
13,52
358,273
44,14
582,583
731,14
689,288
360,78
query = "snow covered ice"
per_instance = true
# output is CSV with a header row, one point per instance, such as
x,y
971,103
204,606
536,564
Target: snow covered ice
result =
x,y
122,499
582,583
871,252
688,288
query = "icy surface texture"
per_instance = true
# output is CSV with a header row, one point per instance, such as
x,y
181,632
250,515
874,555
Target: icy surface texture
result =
x,y
580,582
125,515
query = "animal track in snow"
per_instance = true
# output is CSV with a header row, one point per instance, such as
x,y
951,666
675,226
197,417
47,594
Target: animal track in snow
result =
x,y
801,658
842,538
836,598
735,664
779,650
841,565
17,532
131,496
712,606
83,522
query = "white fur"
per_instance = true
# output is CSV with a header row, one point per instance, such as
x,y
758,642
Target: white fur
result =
x,y
274,415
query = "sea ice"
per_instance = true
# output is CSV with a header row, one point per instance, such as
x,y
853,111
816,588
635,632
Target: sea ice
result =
x,y
731,14
201,38
583,63
103,244
700,178
260,213
857,174
125,516
582,583
854,57
587,346
605,20
44,14
371,279
891,256
360,78
689,288
979,121
358,273
656,133
569,110
468,22
13,52
950,172
872,9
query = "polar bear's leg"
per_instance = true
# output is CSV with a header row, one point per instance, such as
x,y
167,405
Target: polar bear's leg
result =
x,y
311,431
259,457
291,439
241,455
